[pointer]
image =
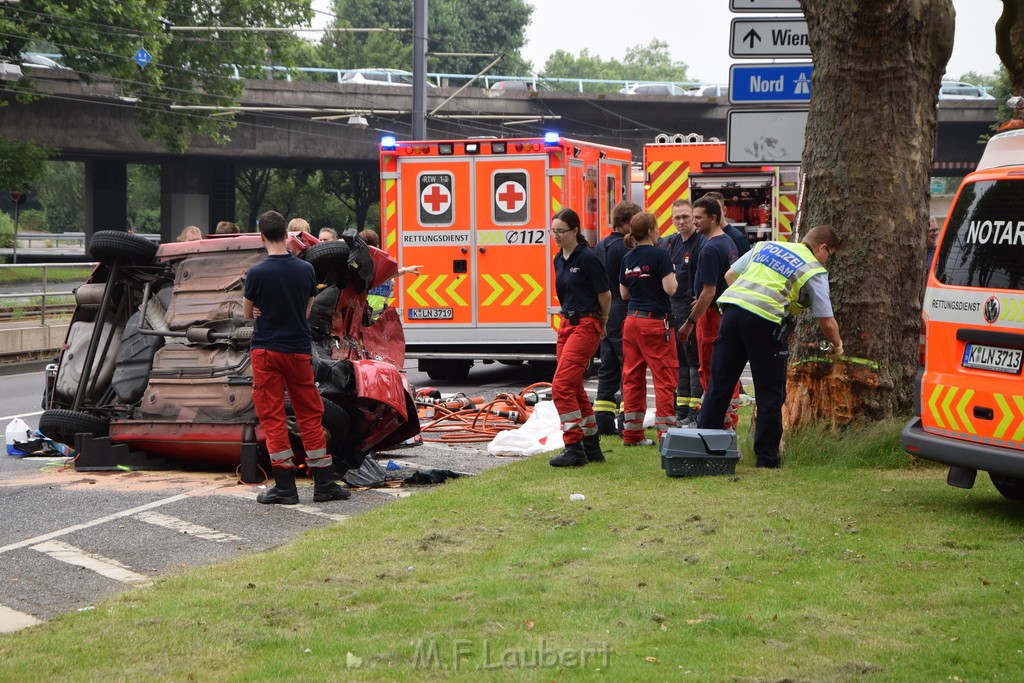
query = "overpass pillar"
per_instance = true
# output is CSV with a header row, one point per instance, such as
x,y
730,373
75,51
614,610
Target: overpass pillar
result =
x,y
106,197
195,192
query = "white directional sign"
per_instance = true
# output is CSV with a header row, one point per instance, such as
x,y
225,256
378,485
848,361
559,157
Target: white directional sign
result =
x,y
766,137
769,37
764,5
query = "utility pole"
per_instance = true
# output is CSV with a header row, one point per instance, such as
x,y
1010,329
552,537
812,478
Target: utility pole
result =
x,y
419,70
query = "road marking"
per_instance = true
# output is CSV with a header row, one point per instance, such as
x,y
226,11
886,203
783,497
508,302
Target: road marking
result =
x,y
104,566
394,493
13,620
308,509
102,520
5,418
187,528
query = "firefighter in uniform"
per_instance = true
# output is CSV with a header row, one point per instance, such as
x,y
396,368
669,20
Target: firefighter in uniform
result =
x,y
647,281
582,288
768,285
609,376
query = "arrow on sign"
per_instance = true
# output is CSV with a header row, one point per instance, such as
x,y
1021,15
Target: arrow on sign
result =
x,y
751,36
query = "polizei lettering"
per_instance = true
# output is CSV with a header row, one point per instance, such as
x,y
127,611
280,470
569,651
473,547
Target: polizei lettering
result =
x,y
995,232
787,36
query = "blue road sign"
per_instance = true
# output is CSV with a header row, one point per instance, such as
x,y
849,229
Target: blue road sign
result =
x,y
142,58
777,83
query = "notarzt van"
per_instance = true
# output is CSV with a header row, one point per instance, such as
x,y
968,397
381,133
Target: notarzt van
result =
x,y
971,399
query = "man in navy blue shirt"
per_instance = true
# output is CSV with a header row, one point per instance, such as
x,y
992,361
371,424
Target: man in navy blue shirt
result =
x,y
718,253
278,296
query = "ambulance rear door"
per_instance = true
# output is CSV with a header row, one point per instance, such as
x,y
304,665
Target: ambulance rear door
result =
x,y
511,249
435,215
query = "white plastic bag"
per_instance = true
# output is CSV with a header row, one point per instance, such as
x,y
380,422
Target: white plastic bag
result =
x,y
17,430
541,432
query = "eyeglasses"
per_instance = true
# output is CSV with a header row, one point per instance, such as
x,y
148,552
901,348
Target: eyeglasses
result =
x,y
830,252
559,232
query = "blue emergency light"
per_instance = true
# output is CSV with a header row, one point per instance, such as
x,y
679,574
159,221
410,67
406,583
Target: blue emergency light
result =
x,y
388,142
552,139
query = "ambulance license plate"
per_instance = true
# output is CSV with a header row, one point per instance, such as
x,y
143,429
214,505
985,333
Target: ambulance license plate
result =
x,y
430,314
992,358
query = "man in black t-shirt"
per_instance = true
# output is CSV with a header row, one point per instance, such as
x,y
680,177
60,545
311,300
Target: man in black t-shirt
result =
x,y
278,296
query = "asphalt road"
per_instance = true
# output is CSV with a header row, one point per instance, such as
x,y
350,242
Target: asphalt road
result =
x,y
70,538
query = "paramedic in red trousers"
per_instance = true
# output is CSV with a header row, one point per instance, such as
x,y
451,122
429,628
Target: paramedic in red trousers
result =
x,y
683,246
582,288
609,376
647,281
717,254
767,285
278,295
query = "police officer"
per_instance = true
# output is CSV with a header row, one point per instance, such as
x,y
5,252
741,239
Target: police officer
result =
x,y
582,288
683,246
609,376
767,285
647,281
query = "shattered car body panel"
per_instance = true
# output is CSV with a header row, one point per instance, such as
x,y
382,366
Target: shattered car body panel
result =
x,y
161,362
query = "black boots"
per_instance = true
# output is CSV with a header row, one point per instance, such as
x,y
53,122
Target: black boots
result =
x,y
283,492
573,455
592,447
606,423
324,488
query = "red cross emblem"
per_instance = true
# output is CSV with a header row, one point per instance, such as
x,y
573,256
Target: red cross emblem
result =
x,y
510,196
435,198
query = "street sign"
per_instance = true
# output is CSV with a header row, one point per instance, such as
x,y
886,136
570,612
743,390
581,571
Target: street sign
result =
x,y
142,57
769,37
765,137
777,83
764,5
17,196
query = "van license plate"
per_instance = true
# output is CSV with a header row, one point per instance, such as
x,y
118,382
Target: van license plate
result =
x,y
430,314
992,358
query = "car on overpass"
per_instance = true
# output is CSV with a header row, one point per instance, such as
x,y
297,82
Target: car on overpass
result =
x,y
667,89
385,77
157,354
958,90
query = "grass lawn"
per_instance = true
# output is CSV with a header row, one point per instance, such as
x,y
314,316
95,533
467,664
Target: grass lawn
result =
x,y
851,562
53,274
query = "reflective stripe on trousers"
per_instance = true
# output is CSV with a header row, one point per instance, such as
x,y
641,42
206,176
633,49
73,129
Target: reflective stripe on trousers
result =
x,y
576,346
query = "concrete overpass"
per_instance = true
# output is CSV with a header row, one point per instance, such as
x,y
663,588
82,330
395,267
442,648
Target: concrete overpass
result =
x,y
91,122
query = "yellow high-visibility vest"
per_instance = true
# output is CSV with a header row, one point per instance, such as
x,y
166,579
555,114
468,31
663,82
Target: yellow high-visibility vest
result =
x,y
770,286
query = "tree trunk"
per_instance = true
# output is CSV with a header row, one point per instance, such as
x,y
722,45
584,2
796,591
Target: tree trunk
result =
x,y
1010,43
869,140
253,184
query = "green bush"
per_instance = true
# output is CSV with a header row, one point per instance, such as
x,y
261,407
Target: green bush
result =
x,y
32,220
6,231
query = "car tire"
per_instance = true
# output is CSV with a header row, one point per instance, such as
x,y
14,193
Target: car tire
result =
x,y
62,425
337,425
450,370
329,260
108,246
1012,488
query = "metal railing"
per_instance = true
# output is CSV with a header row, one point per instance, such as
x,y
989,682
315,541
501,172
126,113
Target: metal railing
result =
x,y
37,305
31,240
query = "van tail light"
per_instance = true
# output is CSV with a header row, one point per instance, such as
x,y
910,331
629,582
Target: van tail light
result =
x,y
922,340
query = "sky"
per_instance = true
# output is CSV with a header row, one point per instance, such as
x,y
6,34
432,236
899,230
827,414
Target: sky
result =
x,y
608,27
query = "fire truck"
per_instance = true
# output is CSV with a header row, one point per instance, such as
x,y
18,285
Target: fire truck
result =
x,y
475,215
760,200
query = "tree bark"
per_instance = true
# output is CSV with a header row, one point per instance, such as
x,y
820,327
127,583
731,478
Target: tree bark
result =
x,y
1010,43
870,134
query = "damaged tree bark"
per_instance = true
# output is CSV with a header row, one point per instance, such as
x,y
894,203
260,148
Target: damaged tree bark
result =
x,y
870,134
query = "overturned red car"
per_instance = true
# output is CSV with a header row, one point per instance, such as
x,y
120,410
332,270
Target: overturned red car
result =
x,y
156,358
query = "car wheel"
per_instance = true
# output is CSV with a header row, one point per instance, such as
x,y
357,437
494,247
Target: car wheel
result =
x,y
451,370
329,260
108,246
1012,488
62,425
337,424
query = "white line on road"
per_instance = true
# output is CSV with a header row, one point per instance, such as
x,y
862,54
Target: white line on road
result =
x,y
13,620
102,520
187,528
5,418
112,569
308,509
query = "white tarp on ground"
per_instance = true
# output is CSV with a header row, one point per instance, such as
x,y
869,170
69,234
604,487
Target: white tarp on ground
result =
x,y
542,432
